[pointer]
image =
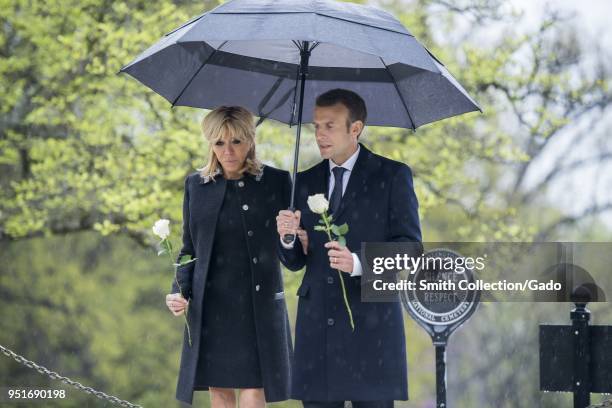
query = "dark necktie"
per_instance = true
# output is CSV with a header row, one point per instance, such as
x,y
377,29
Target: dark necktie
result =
x,y
336,195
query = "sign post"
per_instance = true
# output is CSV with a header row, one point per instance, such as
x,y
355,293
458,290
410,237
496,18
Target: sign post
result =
x,y
439,310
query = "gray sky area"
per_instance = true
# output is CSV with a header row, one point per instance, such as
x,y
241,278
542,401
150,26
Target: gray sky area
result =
x,y
593,16
591,19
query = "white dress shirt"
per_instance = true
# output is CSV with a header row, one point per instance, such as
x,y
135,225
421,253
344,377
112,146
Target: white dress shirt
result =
x,y
348,165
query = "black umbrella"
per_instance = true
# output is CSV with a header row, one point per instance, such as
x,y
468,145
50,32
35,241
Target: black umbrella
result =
x,y
275,56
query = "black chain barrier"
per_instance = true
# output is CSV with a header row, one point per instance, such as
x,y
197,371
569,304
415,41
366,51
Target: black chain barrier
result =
x,y
66,380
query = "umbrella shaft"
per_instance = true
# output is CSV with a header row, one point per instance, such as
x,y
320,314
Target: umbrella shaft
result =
x,y
304,56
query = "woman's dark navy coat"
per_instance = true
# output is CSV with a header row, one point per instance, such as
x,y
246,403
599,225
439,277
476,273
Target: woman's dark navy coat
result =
x,y
262,197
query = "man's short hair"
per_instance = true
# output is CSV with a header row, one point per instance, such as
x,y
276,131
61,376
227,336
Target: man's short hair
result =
x,y
353,102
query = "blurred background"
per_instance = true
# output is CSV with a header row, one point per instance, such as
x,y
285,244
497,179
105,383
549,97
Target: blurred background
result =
x,y
89,160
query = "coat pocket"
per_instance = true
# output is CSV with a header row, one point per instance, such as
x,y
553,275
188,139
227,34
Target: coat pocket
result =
x,y
303,289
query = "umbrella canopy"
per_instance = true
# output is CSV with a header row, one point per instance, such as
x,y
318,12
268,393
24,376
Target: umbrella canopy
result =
x,y
251,53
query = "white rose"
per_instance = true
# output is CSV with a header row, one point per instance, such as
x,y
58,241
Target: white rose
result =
x,y
162,228
317,203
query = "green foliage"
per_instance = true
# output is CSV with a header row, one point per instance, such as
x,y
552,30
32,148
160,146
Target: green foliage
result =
x,y
98,318
88,148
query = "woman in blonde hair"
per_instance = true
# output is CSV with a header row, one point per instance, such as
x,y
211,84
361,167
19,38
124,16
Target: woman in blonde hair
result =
x,y
234,290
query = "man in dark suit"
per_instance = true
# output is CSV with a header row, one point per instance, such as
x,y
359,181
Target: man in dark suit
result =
x,y
375,196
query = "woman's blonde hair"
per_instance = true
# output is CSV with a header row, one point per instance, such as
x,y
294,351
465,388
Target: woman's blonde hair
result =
x,y
239,123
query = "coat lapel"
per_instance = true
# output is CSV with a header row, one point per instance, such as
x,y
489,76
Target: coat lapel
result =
x,y
215,191
211,199
315,183
355,183
320,183
323,178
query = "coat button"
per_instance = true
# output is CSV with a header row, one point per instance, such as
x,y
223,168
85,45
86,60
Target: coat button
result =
x,y
245,207
255,260
330,280
330,322
257,288
250,233
241,183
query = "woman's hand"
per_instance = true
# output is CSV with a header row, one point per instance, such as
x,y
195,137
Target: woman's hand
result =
x,y
303,237
176,303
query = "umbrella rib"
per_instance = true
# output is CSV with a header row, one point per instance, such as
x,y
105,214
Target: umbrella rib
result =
x,y
362,23
399,93
196,74
193,20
